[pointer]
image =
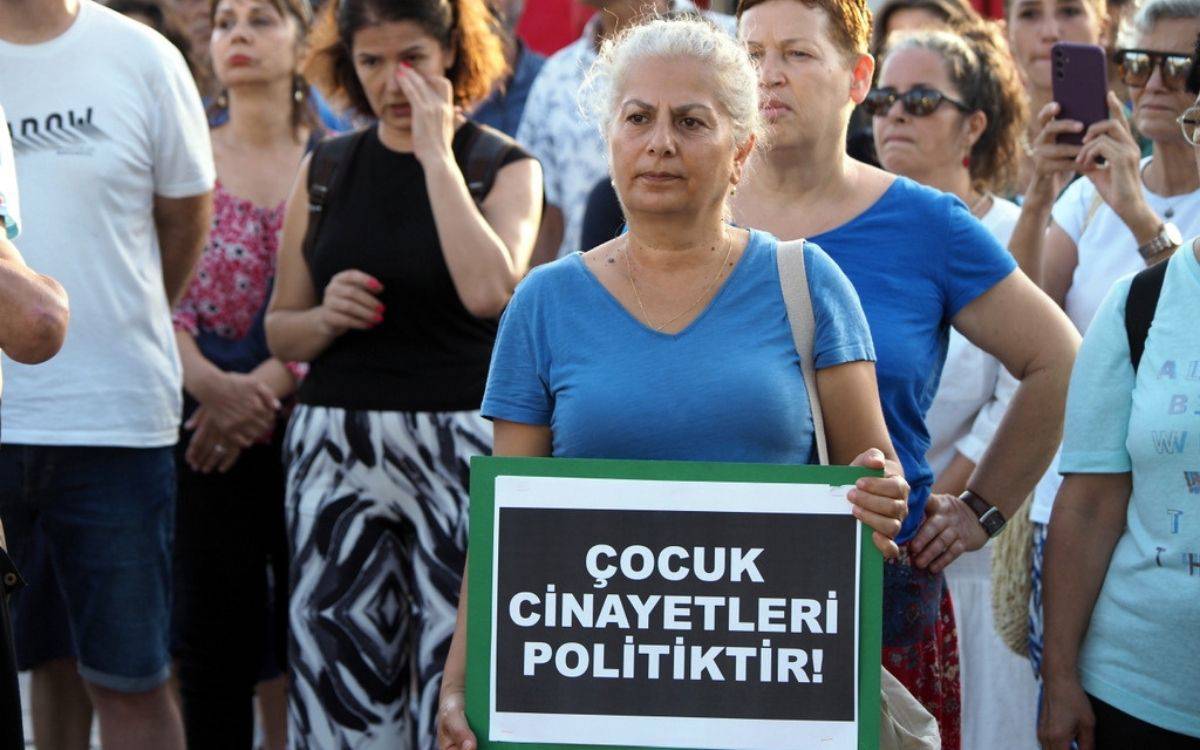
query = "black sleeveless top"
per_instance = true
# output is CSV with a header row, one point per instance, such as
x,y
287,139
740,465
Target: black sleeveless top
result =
x,y
429,353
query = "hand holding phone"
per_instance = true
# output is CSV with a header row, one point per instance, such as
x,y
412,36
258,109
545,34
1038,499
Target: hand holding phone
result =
x,y
1112,160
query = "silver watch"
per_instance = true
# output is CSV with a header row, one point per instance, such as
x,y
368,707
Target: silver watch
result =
x,y
1168,238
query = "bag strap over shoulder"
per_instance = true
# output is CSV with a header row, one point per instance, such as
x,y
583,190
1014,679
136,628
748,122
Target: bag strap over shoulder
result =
x,y
793,277
485,152
1140,305
323,175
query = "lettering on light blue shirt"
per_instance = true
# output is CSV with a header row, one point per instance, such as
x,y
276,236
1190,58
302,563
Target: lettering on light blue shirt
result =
x,y
1120,422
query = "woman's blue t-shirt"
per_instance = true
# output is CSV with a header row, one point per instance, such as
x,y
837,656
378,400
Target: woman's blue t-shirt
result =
x,y
726,388
916,257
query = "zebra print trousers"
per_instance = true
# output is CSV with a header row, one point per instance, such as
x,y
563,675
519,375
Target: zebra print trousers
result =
x,y
377,526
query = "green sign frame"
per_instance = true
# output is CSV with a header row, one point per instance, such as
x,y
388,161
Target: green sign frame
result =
x,y
485,470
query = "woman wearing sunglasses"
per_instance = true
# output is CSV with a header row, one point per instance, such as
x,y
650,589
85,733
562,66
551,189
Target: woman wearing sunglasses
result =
x,y
949,110
920,263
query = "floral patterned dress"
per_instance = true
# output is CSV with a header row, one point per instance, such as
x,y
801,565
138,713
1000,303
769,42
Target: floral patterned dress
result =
x,y
234,274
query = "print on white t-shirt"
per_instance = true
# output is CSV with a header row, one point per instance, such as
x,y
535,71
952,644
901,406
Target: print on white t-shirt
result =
x,y
104,118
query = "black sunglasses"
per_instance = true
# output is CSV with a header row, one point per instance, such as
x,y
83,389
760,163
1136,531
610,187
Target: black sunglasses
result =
x,y
919,101
1137,66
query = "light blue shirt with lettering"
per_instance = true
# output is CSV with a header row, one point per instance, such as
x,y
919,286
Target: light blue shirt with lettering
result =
x,y
1142,650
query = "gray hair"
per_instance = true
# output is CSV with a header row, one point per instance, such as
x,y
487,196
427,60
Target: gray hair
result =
x,y
1150,13
689,37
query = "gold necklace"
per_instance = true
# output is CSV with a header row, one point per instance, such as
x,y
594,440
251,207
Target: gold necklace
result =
x,y
708,287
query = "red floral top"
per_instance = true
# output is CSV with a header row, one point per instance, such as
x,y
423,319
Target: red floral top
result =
x,y
230,284
231,280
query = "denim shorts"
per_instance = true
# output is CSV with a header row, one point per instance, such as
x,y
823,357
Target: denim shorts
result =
x,y
90,529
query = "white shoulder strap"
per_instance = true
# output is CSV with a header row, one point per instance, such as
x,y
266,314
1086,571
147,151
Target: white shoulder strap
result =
x,y
793,277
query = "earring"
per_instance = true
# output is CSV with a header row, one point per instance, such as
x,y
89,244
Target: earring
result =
x,y
298,91
222,100
967,161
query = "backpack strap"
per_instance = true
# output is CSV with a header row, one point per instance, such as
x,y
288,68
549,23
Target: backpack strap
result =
x,y
323,175
793,278
1140,305
485,155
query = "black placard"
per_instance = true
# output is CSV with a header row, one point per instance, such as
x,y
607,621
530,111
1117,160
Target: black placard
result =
x,y
803,557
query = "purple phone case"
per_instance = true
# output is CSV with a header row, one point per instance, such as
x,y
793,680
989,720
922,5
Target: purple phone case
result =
x,y
1079,74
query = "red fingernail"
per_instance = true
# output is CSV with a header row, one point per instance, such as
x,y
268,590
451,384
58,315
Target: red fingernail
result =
x,y
375,285
378,319
380,308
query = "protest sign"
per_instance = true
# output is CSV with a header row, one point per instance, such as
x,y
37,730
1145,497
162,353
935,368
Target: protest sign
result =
x,y
671,605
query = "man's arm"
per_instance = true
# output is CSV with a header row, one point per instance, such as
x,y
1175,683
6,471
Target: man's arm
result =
x,y
33,310
183,225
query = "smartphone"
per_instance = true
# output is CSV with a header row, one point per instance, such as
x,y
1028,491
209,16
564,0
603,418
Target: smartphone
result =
x,y
1080,84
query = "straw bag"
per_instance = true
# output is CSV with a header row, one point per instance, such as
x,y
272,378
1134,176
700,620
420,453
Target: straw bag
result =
x,y
1012,580
904,724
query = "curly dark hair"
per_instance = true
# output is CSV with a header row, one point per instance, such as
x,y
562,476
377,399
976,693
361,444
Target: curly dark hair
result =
x,y
465,26
981,67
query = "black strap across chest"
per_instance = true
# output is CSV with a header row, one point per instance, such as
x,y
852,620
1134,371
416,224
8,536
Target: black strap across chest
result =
x,y
1140,305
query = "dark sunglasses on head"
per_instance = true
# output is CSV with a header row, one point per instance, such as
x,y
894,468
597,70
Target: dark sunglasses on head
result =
x,y
1137,66
919,101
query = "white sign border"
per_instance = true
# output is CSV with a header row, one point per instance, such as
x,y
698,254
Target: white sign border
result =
x,y
581,493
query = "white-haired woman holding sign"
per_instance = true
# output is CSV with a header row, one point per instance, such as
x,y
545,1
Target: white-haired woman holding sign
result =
x,y
673,342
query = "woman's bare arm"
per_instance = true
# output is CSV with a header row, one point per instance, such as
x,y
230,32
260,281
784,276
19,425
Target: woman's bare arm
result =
x,y
1058,264
487,249
510,439
293,322
1088,520
1019,325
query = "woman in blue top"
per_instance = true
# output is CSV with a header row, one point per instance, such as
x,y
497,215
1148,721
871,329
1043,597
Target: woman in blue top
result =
x,y
673,341
920,263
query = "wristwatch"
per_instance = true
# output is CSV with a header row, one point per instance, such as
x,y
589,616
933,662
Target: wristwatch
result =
x,y
990,517
1168,238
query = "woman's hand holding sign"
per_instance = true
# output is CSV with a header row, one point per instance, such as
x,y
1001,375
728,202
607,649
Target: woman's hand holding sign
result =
x,y
880,502
453,731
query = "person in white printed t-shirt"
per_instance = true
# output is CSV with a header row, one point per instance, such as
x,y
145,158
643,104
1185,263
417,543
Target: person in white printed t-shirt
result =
x,y
116,170
566,143
33,324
